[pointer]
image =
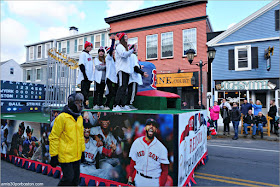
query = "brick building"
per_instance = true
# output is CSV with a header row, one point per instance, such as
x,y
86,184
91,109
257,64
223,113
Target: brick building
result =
x,y
164,33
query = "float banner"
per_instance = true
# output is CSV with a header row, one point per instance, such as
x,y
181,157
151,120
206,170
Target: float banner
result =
x,y
192,142
174,80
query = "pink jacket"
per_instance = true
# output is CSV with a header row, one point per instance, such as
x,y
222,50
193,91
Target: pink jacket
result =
x,y
214,112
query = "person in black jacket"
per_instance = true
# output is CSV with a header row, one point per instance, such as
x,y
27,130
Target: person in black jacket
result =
x,y
272,113
249,120
226,119
261,122
235,118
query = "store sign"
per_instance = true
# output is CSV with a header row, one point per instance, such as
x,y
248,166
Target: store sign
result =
x,y
174,80
246,85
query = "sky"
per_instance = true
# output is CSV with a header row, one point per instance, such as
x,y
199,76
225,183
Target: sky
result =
x,y
27,22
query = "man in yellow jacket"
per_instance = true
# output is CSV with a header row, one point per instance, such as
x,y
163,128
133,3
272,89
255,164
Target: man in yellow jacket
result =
x,y
67,144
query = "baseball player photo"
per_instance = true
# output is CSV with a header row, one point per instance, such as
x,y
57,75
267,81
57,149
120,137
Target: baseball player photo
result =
x,y
104,137
89,165
149,157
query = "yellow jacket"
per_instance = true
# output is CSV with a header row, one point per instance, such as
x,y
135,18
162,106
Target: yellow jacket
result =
x,y
67,138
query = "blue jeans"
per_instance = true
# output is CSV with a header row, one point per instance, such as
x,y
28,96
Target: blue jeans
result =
x,y
260,127
215,123
254,128
235,126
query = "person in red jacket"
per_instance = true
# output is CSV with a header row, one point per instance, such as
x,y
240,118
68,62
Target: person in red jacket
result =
x,y
214,114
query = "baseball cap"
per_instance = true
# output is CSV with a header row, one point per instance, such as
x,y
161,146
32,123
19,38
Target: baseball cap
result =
x,y
151,121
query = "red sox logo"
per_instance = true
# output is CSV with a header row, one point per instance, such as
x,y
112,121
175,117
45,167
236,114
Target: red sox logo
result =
x,y
140,153
89,59
153,156
154,79
89,155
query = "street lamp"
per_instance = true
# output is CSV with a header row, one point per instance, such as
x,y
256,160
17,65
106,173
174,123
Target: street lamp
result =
x,y
211,52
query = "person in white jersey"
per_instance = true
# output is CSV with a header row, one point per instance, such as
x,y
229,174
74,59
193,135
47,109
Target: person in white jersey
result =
x,y
89,165
135,78
85,76
149,157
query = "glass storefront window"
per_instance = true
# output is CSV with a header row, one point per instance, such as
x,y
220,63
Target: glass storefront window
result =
x,y
232,97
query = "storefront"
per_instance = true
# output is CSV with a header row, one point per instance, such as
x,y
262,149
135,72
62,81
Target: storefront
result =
x,y
183,84
238,90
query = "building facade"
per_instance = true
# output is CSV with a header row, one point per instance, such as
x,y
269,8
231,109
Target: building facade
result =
x,y
11,71
241,69
164,33
35,67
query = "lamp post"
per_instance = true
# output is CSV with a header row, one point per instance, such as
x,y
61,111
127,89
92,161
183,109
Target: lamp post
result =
x,y
211,55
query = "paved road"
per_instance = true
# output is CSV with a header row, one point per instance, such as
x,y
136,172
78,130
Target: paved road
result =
x,y
13,174
244,162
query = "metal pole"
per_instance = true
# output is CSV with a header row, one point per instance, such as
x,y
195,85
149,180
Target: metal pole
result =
x,y
200,65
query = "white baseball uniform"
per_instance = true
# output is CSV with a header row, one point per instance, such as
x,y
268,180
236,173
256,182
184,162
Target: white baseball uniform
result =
x,y
148,159
86,60
89,167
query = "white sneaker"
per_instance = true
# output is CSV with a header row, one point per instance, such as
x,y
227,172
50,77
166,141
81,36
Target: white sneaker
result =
x,y
126,108
117,108
132,107
106,108
96,107
101,107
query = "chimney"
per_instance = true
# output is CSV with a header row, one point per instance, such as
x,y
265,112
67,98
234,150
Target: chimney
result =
x,y
73,30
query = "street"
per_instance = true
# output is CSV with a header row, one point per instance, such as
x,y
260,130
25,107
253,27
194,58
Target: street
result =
x,y
244,162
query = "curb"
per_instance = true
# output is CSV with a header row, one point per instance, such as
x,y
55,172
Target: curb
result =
x,y
241,136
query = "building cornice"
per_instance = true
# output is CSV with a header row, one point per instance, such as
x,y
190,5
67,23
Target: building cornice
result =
x,y
152,10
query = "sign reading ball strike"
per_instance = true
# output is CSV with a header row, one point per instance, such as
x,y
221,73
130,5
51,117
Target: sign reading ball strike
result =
x,y
174,80
21,97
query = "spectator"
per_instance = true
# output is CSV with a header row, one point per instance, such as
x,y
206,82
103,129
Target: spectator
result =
x,y
29,144
17,140
257,107
272,113
235,118
226,119
4,144
261,122
249,120
199,106
225,103
245,107
184,105
214,114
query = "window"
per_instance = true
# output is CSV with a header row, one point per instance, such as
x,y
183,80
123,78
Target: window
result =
x,y
80,44
38,74
11,71
28,75
64,47
277,20
166,44
31,53
97,41
151,46
47,47
132,40
39,51
242,58
189,40
62,71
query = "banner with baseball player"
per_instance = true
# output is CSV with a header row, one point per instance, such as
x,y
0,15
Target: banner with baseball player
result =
x,y
129,148
192,141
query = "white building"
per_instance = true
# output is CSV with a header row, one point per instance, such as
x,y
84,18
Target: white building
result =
x,y
11,71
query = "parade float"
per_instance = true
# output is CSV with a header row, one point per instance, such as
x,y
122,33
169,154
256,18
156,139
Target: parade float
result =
x,y
182,132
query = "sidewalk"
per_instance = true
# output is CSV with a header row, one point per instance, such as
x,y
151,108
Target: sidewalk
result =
x,y
220,132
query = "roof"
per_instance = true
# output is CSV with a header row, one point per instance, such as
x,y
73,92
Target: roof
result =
x,y
242,23
70,37
4,62
211,35
152,10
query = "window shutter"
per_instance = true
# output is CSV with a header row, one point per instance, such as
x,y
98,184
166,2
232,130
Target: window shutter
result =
x,y
254,57
103,40
59,47
277,20
68,47
92,39
231,65
76,45
85,39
